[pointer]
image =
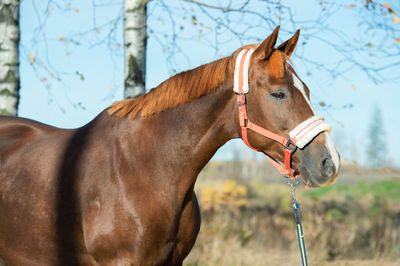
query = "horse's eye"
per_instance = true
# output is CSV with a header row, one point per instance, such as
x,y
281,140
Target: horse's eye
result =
x,y
278,95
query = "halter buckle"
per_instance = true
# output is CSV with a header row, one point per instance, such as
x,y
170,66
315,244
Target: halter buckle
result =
x,y
287,146
241,99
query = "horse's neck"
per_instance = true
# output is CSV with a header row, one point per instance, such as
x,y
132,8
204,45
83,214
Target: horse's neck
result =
x,y
210,122
198,129
179,142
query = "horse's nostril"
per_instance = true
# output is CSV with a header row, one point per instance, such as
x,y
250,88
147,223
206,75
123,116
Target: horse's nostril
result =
x,y
327,167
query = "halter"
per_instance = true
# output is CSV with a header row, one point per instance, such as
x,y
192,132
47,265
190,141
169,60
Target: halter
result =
x,y
300,136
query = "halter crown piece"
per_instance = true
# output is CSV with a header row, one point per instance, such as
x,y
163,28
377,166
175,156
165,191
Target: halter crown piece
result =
x,y
300,136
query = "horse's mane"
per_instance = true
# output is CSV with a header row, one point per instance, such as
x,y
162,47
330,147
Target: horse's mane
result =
x,y
187,86
177,90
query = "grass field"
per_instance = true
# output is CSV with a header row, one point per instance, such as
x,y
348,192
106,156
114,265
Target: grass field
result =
x,y
247,220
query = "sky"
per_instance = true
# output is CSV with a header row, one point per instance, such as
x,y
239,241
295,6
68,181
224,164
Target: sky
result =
x,y
91,72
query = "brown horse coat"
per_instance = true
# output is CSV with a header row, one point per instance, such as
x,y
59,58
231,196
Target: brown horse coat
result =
x,y
114,191
119,190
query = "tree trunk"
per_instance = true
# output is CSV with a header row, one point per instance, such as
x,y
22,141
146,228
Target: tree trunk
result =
x,y
9,61
135,38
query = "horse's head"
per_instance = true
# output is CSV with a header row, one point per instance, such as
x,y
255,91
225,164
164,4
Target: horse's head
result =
x,y
279,101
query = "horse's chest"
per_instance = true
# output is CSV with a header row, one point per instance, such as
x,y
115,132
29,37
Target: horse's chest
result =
x,y
155,234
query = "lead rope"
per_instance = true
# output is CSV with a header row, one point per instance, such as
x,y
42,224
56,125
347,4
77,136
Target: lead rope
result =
x,y
296,208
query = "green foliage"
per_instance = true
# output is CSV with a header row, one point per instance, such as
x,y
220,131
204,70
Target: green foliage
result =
x,y
335,214
385,189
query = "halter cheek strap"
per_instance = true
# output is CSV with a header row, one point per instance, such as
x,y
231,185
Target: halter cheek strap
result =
x,y
300,136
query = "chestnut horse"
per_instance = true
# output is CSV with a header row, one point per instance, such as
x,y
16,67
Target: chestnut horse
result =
x,y
119,190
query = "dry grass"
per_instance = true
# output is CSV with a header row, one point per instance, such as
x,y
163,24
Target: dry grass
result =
x,y
356,224
234,255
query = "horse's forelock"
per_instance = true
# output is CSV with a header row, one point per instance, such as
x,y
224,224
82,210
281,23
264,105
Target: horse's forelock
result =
x,y
276,65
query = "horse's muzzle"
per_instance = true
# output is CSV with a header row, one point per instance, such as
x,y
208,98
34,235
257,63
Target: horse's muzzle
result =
x,y
318,167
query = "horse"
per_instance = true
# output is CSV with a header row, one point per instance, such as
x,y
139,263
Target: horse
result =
x,y
120,189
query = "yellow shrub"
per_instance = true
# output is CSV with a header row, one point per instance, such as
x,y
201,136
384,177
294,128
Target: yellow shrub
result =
x,y
231,194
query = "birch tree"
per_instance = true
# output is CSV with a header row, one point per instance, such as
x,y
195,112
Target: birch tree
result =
x,y
135,39
9,62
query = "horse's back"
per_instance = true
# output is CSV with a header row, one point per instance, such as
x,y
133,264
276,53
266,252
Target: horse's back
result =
x,y
16,133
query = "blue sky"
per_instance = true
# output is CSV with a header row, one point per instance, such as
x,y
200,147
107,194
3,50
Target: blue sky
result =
x,y
75,101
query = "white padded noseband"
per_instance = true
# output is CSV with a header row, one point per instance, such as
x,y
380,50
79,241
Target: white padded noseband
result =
x,y
303,133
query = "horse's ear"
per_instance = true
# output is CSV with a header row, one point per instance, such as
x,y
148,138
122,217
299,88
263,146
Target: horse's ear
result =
x,y
267,46
288,46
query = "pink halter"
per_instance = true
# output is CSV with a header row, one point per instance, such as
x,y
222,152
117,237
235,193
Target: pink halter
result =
x,y
300,136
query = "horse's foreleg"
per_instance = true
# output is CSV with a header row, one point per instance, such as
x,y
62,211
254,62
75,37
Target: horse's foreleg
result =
x,y
189,227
